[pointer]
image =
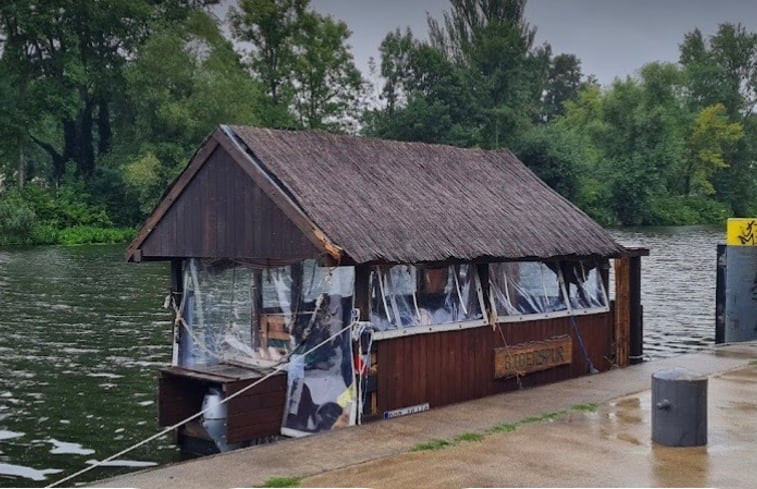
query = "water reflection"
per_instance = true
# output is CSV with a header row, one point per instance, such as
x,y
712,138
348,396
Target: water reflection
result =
x,y
82,335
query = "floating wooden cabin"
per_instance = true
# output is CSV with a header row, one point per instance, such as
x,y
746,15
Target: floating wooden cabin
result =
x,y
392,277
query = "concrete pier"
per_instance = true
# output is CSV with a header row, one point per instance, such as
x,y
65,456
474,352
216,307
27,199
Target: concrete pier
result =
x,y
591,431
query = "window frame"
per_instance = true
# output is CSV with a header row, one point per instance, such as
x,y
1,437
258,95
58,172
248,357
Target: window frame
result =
x,y
436,328
567,312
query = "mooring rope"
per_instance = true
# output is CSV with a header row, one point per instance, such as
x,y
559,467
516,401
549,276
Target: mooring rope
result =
x,y
276,369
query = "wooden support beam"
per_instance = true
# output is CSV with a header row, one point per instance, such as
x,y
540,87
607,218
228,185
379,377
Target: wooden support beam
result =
x,y
636,348
177,294
363,291
622,319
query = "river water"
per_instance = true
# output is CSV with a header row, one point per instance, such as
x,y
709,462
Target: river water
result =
x,y
82,334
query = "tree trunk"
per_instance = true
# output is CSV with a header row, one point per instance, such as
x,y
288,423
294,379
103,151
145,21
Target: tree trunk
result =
x,y
21,164
86,162
104,130
70,143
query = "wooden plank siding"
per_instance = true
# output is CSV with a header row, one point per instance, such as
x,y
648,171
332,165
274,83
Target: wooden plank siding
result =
x,y
455,366
622,310
255,413
258,412
222,213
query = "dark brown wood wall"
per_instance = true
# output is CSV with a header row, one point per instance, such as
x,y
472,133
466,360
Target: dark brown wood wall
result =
x,y
454,366
258,412
255,413
222,213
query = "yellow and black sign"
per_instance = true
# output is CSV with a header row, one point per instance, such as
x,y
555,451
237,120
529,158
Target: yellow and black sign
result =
x,y
532,356
742,232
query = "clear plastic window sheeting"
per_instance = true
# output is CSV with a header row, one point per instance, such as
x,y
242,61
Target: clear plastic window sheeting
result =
x,y
536,288
216,316
240,313
523,288
584,286
320,387
321,383
405,296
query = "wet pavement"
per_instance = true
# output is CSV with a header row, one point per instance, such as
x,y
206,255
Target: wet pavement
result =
x,y
574,442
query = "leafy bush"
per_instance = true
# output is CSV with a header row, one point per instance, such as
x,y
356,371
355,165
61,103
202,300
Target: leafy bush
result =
x,y
17,218
675,211
92,234
40,215
66,207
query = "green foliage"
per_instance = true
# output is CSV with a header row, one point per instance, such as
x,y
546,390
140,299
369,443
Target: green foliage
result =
x,y
306,69
588,407
711,137
541,418
39,215
684,210
17,219
68,206
92,234
282,482
186,81
503,428
435,444
329,84
555,158
479,81
563,84
468,437
103,103
723,70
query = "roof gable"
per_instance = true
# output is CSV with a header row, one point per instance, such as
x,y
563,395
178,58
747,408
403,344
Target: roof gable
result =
x,y
216,209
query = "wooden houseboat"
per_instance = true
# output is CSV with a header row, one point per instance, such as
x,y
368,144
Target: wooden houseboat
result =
x,y
386,277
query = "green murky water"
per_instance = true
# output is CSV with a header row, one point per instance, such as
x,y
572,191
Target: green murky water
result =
x,y
83,333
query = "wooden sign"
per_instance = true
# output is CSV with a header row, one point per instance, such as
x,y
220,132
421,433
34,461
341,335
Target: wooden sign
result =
x,y
533,356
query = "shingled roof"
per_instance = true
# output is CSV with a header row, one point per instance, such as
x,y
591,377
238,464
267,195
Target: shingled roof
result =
x,y
396,201
391,201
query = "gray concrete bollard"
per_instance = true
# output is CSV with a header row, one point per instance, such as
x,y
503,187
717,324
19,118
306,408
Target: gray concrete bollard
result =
x,y
679,408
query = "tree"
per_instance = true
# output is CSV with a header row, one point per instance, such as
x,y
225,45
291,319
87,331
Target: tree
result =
x,y
327,85
479,81
711,136
186,79
396,66
553,154
493,45
71,54
303,62
438,106
15,113
563,84
723,69
270,27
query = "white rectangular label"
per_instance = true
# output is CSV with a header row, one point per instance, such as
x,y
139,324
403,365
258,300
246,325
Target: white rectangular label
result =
x,y
405,411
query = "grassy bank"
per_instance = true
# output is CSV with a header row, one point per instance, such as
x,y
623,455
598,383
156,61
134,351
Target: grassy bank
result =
x,y
74,235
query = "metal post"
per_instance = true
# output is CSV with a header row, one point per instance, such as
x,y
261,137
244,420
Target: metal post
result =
x,y
741,280
741,294
720,295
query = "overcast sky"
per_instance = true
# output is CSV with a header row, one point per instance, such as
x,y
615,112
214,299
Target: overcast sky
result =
x,y
611,37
